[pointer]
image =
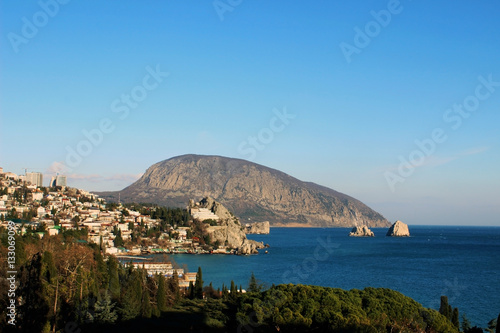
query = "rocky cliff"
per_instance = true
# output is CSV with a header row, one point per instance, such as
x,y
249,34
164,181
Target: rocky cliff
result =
x,y
363,231
251,191
262,228
398,229
228,231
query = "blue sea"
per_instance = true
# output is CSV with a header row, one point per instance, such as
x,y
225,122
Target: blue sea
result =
x,y
462,263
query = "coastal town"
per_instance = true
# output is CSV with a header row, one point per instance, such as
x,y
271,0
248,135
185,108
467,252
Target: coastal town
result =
x,y
127,231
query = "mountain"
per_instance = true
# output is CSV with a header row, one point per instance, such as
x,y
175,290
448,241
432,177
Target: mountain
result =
x,y
251,191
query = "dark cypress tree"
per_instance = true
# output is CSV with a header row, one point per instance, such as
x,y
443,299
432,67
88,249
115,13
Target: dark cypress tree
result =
x,y
191,290
118,241
253,286
455,318
146,309
33,313
444,307
114,280
497,330
131,300
49,270
102,274
173,290
198,285
234,290
161,294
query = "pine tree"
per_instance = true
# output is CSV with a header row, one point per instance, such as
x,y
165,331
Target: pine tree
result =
x,y
161,294
130,306
465,324
492,326
104,310
84,311
198,285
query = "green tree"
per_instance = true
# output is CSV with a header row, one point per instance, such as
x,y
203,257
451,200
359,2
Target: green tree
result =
x,y
492,326
444,308
131,304
465,323
49,270
191,290
104,311
146,309
161,294
118,241
253,286
75,219
198,285
455,318
174,294
114,280
234,290
35,307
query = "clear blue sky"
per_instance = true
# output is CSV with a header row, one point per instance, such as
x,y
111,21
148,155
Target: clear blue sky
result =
x,y
358,100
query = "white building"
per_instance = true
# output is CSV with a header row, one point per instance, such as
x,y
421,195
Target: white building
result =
x,y
34,178
37,196
203,214
58,180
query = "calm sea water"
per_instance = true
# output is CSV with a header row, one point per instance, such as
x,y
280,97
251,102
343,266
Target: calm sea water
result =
x,y
462,263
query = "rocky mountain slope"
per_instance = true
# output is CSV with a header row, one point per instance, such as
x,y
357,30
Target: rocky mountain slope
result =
x,y
251,191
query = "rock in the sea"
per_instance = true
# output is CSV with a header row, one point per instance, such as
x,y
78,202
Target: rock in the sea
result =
x,y
228,231
362,231
399,229
250,247
258,228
